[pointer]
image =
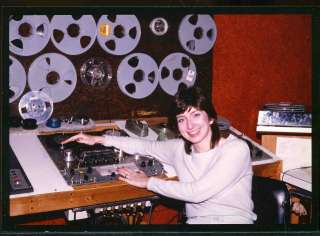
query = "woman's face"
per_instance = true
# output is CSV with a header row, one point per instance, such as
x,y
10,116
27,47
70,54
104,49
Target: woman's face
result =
x,y
194,126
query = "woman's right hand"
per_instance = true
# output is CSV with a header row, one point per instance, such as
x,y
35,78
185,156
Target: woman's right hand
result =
x,y
84,138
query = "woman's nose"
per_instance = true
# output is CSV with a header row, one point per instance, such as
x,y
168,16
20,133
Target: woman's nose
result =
x,y
189,124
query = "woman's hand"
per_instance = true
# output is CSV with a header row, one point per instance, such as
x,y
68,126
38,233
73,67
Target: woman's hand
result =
x,y
84,138
135,178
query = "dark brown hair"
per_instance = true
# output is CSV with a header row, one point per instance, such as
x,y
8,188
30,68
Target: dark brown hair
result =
x,y
193,97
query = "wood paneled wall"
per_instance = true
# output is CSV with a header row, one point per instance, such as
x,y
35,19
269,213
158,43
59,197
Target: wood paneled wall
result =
x,y
260,59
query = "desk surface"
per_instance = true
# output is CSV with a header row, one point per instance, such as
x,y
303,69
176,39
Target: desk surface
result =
x,y
300,177
50,190
61,196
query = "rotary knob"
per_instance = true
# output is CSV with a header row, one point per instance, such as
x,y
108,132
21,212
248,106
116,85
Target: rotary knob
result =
x,y
68,155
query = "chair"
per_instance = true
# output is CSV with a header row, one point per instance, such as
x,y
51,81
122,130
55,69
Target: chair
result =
x,y
271,201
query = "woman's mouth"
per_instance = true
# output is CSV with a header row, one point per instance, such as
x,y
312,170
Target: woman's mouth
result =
x,y
193,133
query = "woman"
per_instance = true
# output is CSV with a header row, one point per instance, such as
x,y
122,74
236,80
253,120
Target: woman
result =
x,y
214,173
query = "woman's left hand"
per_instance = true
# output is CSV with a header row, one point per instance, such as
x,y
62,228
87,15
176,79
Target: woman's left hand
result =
x,y
133,177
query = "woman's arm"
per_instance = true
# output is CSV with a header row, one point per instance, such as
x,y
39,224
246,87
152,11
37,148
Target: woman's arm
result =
x,y
164,151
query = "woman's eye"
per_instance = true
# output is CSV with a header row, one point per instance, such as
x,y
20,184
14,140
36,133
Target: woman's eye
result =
x,y
196,114
180,120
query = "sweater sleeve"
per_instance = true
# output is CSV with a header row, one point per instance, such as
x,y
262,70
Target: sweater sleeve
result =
x,y
164,151
227,169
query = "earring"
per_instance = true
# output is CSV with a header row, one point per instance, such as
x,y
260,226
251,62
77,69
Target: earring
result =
x,y
211,122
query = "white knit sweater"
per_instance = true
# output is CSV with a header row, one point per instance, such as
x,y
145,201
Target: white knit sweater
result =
x,y
213,183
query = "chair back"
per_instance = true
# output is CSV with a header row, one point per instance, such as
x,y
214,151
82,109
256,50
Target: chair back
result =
x,y
271,201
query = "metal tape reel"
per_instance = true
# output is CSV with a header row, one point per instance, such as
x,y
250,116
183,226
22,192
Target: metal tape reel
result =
x,y
36,105
159,26
96,72
137,75
17,79
73,35
197,33
118,34
28,34
53,74
175,69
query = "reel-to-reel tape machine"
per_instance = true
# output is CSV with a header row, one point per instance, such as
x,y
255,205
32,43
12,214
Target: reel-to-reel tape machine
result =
x,y
105,64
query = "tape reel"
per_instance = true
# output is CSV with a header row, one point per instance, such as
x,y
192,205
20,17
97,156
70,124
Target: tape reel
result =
x,y
137,75
96,72
159,26
176,69
118,34
17,79
73,35
28,34
36,105
197,33
53,74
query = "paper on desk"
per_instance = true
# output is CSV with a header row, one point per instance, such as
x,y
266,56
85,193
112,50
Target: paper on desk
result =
x,y
295,152
301,177
152,135
42,173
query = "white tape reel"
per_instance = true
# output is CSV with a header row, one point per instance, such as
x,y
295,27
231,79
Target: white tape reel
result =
x,y
175,69
73,36
36,105
197,33
119,34
137,75
53,74
17,79
28,35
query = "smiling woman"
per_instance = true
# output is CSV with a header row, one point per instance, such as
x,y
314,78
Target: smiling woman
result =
x,y
214,173
196,120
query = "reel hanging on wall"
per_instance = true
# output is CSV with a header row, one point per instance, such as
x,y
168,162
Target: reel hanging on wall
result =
x,y
73,35
17,79
176,69
28,34
96,72
137,75
53,74
197,33
118,34
159,26
36,105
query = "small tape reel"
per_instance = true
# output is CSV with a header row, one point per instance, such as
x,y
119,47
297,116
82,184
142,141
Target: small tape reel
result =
x,y
175,69
137,75
159,26
197,33
17,79
118,34
53,74
36,105
73,35
28,34
96,72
